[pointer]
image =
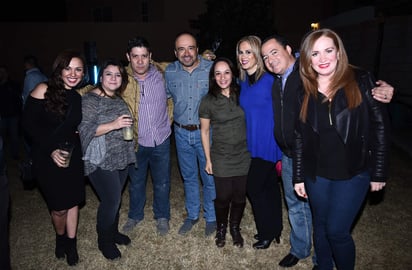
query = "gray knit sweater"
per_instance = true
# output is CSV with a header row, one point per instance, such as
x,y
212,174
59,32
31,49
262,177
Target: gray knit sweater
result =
x,y
98,110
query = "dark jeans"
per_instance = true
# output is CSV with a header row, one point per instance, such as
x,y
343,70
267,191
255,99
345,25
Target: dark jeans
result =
x,y
4,214
108,186
335,205
263,191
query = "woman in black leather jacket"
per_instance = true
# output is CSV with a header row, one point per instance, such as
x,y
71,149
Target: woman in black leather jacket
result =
x,y
341,145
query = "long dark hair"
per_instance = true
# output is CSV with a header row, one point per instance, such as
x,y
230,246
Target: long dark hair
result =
x,y
214,88
55,96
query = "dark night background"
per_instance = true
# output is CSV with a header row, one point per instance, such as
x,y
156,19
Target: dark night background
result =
x,y
211,20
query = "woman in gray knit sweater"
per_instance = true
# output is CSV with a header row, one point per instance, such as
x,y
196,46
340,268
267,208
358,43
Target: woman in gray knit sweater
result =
x,y
106,154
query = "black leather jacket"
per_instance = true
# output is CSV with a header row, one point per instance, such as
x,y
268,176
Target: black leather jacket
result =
x,y
285,109
363,130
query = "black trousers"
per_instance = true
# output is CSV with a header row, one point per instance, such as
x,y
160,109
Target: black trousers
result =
x,y
4,214
263,190
109,187
230,190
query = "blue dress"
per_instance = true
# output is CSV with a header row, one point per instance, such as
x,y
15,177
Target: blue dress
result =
x,y
256,102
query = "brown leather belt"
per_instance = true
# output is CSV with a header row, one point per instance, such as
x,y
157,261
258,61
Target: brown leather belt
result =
x,y
188,127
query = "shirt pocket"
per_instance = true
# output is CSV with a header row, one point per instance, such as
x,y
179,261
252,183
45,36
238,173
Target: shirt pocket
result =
x,y
175,86
203,86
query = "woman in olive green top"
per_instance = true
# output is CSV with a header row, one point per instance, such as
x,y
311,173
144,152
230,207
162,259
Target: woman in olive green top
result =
x,y
227,157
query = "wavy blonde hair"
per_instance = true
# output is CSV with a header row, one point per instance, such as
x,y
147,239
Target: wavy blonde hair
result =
x,y
255,43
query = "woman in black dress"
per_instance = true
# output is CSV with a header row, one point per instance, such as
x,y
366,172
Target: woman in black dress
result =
x,y
51,116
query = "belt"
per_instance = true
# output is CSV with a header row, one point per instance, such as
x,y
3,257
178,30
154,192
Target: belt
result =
x,y
188,127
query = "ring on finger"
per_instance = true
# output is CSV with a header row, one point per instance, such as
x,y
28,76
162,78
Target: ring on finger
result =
x,y
385,97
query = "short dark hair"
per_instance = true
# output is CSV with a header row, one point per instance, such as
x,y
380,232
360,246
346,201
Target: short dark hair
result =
x,y
280,39
114,62
30,59
138,42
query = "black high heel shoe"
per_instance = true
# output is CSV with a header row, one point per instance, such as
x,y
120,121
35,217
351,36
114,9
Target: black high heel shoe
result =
x,y
262,244
277,239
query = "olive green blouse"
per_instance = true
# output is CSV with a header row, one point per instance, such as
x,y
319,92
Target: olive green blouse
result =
x,y
228,152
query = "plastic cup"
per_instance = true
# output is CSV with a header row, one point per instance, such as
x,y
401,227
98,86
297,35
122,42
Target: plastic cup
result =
x,y
128,133
66,150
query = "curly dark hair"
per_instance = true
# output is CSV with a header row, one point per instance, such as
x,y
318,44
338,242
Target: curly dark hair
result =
x,y
55,96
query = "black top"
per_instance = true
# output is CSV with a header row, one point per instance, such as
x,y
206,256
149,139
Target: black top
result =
x,y
62,188
331,163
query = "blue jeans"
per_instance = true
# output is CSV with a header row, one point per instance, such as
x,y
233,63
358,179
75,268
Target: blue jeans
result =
x,y
158,159
109,186
191,157
300,216
335,205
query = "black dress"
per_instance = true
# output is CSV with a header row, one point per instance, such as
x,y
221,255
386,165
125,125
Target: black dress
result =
x,y
62,188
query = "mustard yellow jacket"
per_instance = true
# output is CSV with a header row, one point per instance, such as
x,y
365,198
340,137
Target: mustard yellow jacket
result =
x,y
131,96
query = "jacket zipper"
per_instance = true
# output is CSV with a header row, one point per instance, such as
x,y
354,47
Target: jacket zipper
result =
x,y
330,116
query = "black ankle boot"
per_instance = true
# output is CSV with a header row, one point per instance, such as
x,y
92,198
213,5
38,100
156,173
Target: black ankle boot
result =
x,y
236,214
106,243
221,224
236,236
59,250
122,239
72,256
220,238
262,244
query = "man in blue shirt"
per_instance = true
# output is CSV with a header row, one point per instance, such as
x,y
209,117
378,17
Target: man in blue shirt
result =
x,y
33,75
187,81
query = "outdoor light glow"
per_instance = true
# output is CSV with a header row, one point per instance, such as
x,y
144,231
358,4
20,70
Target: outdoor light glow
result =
x,y
95,73
314,26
